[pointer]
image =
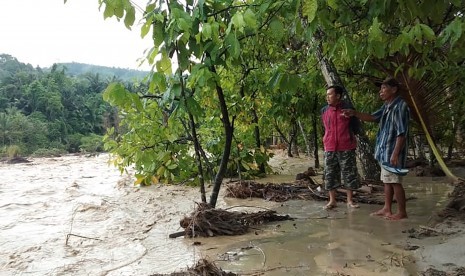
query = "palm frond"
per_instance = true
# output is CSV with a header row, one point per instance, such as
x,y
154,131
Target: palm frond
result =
x,y
429,100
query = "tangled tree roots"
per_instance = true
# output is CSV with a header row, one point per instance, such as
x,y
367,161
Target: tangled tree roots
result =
x,y
208,222
204,268
298,190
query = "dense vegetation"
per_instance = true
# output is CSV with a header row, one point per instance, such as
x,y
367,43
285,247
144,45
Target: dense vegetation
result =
x,y
230,75
47,111
245,69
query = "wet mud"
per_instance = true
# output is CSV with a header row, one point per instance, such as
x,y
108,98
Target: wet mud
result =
x,y
76,215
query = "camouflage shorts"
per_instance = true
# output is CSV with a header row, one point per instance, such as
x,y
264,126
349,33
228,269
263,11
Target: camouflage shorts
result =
x,y
341,164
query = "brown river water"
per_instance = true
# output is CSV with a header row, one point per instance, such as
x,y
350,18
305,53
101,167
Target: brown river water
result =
x,y
77,215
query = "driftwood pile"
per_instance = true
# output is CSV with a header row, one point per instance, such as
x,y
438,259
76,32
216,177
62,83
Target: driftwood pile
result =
x,y
369,194
272,192
204,268
208,222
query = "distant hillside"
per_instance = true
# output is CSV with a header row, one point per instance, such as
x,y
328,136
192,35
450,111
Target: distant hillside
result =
x,y
75,69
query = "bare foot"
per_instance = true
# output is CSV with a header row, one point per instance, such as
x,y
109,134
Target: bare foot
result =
x,y
330,206
352,205
396,217
382,213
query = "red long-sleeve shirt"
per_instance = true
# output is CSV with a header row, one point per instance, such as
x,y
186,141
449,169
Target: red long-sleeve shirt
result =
x,y
338,136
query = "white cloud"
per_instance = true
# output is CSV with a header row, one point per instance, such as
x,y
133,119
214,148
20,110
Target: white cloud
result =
x,y
42,32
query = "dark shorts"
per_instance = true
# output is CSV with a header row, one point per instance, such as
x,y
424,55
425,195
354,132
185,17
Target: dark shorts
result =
x,y
341,164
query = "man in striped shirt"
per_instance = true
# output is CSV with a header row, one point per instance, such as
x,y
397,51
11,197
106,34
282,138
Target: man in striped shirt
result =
x,y
391,144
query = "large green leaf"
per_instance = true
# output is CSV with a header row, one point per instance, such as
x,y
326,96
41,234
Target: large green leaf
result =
x,y
233,45
130,17
309,9
164,64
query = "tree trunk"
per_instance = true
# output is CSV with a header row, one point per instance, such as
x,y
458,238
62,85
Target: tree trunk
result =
x,y
257,138
306,141
228,133
293,145
370,166
315,131
198,157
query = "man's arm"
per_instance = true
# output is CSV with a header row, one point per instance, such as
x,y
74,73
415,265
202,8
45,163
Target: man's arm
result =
x,y
400,142
362,116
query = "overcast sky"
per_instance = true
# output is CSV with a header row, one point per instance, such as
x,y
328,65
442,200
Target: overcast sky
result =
x,y
42,32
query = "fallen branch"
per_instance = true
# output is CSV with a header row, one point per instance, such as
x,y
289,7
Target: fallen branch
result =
x,y
208,222
84,237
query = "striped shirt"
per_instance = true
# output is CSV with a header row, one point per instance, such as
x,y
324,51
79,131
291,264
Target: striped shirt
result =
x,y
393,119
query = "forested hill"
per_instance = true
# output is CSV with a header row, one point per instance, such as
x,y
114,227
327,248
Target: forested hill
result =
x,y
76,69
60,109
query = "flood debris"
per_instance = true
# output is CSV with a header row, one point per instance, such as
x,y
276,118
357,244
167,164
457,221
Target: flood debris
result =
x,y
15,160
455,209
203,267
208,222
423,232
370,193
459,271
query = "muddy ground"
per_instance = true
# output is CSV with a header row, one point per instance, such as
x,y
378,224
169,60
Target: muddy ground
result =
x,y
75,215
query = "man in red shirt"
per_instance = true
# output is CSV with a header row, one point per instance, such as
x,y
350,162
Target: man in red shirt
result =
x,y
339,145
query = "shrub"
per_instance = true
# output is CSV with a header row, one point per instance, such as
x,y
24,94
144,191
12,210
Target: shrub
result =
x,y
13,151
92,143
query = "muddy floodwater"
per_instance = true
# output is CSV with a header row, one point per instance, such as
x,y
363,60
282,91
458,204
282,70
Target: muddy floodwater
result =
x,y
76,215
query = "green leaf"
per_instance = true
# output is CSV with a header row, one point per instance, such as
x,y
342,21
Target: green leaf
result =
x,y
250,19
194,107
309,8
130,17
183,58
119,11
108,12
176,90
153,53
158,79
233,45
378,48
158,34
136,101
375,33
172,166
349,48
206,31
145,29
238,21
164,156
428,33
332,4
276,29
289,82
184,25
161,170
113,90
417,33
452,33
274,81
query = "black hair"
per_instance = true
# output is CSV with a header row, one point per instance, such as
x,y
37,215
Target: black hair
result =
x,y
337,88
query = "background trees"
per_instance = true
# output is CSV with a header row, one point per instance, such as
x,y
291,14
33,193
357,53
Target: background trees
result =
x,y
50,111
229,74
